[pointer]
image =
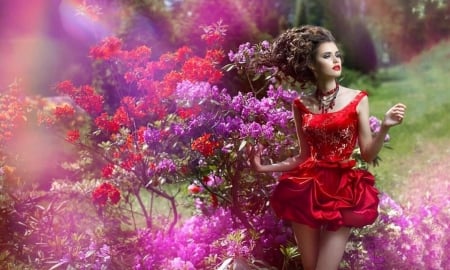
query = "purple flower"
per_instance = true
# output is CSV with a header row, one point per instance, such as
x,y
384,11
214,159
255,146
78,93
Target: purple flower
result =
x,y
228,126
213,180
166,166
191,93
177,129
265,44
178,263
152,136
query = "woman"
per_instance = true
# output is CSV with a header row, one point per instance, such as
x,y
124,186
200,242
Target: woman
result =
x,y
320,192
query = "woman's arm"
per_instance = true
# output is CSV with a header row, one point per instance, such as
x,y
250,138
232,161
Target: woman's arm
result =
x,y
288,164
370,146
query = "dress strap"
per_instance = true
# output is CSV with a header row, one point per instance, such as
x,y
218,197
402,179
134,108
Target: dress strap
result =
x,y
358,98
301,106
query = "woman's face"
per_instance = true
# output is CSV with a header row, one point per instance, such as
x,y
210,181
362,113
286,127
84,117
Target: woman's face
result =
x,y
327,61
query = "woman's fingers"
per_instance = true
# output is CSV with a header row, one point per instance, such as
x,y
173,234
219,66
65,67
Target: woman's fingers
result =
x,y
395,114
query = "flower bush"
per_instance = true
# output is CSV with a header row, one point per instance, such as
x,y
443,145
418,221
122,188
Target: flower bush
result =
x,y
152,135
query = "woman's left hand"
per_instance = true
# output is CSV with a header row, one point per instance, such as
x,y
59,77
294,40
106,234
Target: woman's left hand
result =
x,y
394,116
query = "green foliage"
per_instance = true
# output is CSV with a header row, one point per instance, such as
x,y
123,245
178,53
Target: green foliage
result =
x,y
291,256
356,79
422,85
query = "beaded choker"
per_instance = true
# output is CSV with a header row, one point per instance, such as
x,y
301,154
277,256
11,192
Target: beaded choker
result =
x,y
327,99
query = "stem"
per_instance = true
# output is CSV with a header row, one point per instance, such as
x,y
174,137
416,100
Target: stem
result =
x,y
132,216
171,199
235,209
212,192
250,83
141,204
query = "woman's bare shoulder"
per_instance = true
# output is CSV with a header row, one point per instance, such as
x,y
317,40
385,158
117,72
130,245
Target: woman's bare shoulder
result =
x,y
348,91
308,100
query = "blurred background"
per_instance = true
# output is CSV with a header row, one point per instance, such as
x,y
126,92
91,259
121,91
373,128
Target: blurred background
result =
x,y
45,41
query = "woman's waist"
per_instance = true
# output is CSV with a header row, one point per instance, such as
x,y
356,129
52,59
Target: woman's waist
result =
x,y
328,163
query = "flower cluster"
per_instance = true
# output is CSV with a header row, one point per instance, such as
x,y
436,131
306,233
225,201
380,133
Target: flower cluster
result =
x,y
216,242
214,34
63,112
13,108
107,49
85,96
375,125
251,60
165,166
402,239
73,136
205,145
104,192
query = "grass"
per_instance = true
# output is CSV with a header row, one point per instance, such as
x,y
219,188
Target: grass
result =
x,y
423,85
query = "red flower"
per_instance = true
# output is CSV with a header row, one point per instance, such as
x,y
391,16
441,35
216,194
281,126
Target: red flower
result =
x,y
101,194
121,117
183,53
214,200
185,113
214,34
200,69
66,87
85,96
204,145
89,100
138,56
135,109
109,47
194,189
130,162
108,170
114,196
106,124
64,111
73,136
215,56
169,84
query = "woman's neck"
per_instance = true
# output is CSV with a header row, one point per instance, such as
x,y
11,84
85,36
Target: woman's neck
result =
x,y
326,86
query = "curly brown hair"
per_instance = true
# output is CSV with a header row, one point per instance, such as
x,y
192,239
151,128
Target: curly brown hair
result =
x,y
295,49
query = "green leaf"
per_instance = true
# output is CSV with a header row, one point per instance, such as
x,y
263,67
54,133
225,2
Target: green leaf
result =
x,y
89,253
57,265
257,76
228,67
105,145
225,264
243,144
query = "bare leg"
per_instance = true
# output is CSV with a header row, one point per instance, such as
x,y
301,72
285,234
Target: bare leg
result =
x,y
332,247
308,244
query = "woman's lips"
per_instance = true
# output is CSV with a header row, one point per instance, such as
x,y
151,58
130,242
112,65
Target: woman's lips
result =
x,y
337,68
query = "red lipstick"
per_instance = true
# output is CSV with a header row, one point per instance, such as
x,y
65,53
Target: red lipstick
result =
x,y
337,68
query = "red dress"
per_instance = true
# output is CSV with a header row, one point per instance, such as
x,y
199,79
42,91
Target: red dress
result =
x,y
326,190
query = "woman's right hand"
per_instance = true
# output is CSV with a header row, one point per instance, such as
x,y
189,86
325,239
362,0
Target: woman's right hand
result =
x,y
254,156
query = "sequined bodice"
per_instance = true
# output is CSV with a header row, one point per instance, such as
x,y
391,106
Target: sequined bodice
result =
x,y
331,136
